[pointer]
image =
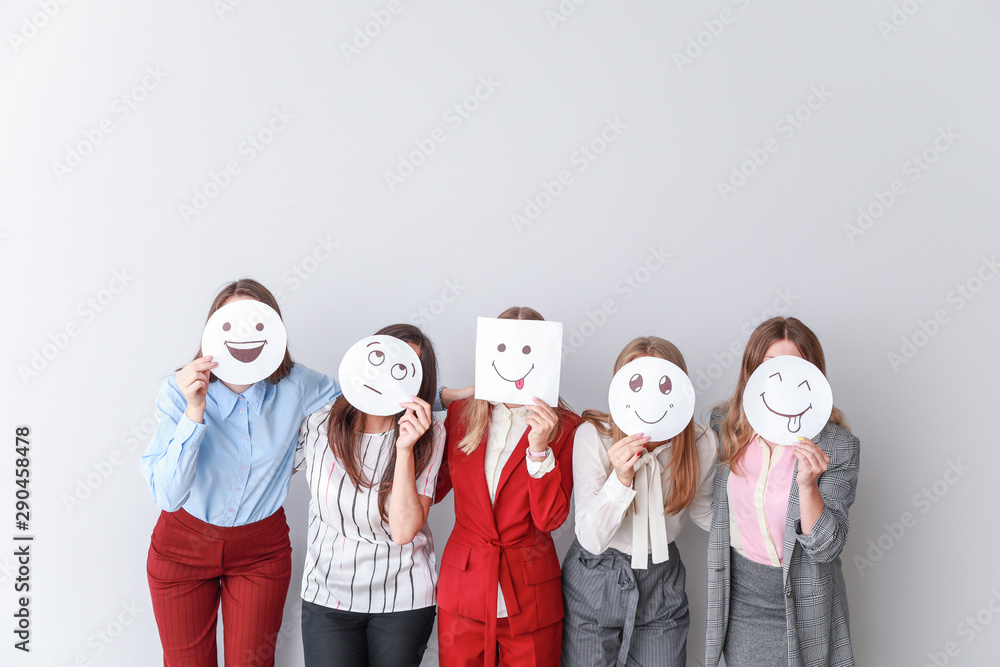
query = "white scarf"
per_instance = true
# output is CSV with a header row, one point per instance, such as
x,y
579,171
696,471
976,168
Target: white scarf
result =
x,y
649,529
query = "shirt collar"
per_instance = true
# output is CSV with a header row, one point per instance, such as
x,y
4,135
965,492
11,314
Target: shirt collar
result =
x,y
503,409
227,399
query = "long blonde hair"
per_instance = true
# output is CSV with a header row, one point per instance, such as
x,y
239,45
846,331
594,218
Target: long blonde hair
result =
x,y
477,411
736,430
682,469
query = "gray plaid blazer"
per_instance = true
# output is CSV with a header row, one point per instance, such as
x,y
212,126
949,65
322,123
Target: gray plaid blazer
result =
x,y
815,593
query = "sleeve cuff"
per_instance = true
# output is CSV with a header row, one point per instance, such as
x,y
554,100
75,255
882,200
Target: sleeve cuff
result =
x,y
618,493
539,467
187,429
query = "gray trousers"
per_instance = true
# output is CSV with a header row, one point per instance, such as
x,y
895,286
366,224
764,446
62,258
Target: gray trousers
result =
x,y
613,612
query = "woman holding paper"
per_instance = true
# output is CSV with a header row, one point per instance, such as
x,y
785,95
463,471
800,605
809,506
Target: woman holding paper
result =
x,y
510,465
372,464
776,592
623,579
219,466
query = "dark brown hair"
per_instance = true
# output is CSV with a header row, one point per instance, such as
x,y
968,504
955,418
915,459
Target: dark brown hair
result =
x,y
346,424
248,287
736,430
682,468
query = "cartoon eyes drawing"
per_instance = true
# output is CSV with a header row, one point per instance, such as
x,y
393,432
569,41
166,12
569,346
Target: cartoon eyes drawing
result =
x,y
227,326
376,357
665,385
806,383
398,372
526,349
501,348
519,382
635,383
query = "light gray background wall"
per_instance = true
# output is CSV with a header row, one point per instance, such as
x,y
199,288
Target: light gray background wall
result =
x,y
889,82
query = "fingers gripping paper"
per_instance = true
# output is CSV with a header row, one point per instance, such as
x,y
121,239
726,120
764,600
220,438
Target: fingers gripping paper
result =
x,y
518,359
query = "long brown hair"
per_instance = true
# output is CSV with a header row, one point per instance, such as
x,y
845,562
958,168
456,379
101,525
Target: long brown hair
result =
x,y
346,424
736,430
477,411
682,469
248,287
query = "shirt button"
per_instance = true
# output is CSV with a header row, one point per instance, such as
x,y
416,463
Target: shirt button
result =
x,y
230,510
241,410
244,437
238,489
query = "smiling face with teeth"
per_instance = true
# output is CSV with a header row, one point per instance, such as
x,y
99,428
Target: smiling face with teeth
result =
x,y
786,398
652,396
247,338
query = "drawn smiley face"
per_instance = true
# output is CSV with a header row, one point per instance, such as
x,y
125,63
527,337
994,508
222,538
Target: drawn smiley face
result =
x,y
652,396
378,373
517,360
515,363
786,398
247,338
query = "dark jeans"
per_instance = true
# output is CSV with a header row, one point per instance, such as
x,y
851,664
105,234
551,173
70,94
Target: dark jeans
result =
x,y
335,638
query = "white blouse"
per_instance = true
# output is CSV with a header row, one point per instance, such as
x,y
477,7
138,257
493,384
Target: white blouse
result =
x,y
602,501
351,562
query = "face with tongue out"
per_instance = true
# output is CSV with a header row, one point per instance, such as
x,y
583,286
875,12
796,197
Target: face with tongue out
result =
x,y
787,398
517,360
247,338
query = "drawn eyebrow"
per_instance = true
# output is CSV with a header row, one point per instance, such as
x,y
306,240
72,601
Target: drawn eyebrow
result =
x,y
413,366
773,374
806,383
374,342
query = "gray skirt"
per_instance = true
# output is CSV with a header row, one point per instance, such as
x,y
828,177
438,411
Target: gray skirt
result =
x,y
757,632
613,612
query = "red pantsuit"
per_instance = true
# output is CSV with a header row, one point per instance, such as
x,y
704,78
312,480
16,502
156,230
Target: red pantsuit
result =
x,y
508,542
194,566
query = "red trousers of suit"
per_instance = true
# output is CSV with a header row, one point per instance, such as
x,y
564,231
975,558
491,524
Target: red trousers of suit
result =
x,y
194,567
460,643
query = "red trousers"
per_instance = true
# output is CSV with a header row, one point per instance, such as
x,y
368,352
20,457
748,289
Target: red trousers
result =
x,y
460,643
193,566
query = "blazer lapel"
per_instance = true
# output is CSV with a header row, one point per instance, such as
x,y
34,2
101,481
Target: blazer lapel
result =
x,y
475,468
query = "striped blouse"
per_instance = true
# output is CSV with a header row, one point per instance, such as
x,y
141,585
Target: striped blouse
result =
x,y
352,564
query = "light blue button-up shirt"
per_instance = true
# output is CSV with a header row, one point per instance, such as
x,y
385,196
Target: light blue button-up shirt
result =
x,y
233,469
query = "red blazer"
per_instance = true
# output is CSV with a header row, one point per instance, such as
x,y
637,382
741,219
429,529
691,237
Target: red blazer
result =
x,y
509,541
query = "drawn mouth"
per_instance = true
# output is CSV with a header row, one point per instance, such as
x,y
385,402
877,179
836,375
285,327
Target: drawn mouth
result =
x,y
517,383
374,389
794,421
245,351
655,420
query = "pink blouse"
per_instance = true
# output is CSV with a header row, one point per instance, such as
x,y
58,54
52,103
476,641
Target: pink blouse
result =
x,y
758,501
